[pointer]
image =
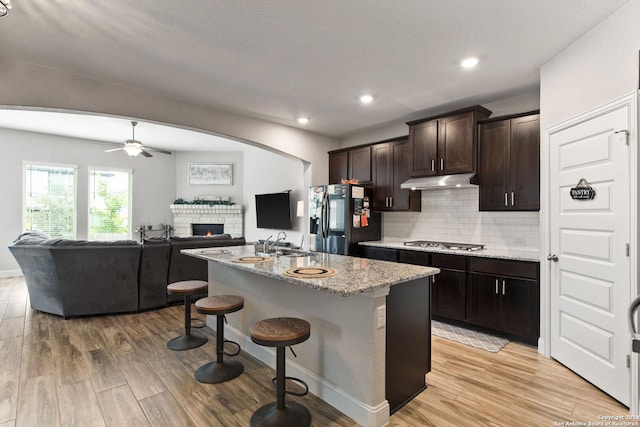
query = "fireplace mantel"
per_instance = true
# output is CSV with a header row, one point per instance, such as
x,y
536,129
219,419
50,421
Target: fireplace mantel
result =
x,y
229,215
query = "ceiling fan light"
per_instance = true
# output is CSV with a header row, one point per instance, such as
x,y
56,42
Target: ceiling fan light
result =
x,y
132,149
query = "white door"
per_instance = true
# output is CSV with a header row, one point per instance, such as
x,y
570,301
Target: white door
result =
x,y
590,281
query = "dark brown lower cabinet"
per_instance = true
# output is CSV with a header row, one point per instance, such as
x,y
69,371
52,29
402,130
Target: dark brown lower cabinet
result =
x,y
498,299
382,254
498,294
448,292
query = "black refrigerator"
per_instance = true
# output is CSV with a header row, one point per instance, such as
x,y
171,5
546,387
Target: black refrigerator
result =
x,y
340,216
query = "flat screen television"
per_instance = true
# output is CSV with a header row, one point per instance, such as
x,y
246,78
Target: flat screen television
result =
x,y
273,211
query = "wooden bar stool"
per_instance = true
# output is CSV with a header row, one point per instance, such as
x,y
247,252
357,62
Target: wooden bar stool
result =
x,y
281,332
220,370
187,288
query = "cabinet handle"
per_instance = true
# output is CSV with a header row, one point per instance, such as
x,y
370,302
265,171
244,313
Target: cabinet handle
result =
x,y
503,287
496,286
433,165
513,199
386,202
506,199
390,202
441,164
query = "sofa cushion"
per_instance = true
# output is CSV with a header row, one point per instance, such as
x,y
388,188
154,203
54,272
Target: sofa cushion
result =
x,y
32,237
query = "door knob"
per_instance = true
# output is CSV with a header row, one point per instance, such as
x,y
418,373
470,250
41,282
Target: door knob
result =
x,y
553,257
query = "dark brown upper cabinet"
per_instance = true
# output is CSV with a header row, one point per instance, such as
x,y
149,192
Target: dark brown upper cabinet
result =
x,y
338,166
389,161
354,163
446,144
509,163
360,165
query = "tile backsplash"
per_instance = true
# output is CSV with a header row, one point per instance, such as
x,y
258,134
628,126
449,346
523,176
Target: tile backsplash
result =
x,y
453,215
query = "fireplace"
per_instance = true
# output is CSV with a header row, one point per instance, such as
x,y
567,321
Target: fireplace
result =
x,y
230,216
206,229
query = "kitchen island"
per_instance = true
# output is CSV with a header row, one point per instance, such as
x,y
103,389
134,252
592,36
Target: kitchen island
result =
x,y
370,343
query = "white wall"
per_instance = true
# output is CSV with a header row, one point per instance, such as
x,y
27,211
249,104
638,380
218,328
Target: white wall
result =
x,y
601,66
267,172
154,183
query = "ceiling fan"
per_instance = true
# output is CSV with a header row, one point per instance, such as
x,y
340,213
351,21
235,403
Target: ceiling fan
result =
x,y
133,147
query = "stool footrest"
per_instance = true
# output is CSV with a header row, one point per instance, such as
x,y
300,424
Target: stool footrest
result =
x,y
234,353
199,323
297,380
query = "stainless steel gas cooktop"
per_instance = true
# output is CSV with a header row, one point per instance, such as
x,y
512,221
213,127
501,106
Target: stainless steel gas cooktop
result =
x,y
445,245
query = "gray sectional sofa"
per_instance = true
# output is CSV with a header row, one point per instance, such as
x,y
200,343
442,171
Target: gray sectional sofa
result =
x,y
77,278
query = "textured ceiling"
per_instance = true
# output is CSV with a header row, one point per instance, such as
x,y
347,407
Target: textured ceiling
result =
x,y
279,59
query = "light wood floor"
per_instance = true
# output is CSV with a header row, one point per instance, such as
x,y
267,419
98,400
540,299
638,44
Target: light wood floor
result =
x,y
117,371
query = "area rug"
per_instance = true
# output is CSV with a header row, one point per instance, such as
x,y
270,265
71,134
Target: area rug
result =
x,y
467,336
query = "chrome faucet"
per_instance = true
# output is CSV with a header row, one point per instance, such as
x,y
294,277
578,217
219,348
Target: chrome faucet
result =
x,y
284,236
265,247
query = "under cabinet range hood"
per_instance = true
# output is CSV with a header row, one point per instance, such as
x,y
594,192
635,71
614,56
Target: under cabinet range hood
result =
x,y
463,180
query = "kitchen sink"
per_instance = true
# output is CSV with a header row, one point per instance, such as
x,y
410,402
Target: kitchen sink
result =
x,y
295,253
292,253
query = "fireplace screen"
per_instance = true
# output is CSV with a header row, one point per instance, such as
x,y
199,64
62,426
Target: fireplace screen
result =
x,y
206,229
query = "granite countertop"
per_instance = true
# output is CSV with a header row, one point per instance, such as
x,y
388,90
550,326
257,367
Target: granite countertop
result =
x,y
518,255
355,275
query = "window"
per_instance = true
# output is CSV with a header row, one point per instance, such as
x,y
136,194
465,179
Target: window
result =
x,y
109,204
50,200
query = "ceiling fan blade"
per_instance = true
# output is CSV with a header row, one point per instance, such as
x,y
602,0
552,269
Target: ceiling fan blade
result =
x,y
158,150
146,153
113,149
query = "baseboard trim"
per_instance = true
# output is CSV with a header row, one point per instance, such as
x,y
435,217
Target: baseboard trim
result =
x,y
10,273
366,415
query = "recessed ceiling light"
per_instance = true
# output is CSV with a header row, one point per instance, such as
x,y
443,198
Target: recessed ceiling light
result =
x,y
366,99
469,63
303,120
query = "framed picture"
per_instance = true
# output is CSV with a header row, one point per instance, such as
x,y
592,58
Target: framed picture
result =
x,y
210,173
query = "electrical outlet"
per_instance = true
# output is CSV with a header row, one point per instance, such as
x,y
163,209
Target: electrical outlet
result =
x,y
381,316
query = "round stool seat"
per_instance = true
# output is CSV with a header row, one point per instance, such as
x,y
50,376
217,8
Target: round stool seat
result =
x,y
187,287
280,331
219,304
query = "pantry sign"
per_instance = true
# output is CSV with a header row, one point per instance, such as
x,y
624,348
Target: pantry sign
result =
x,y
583,191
